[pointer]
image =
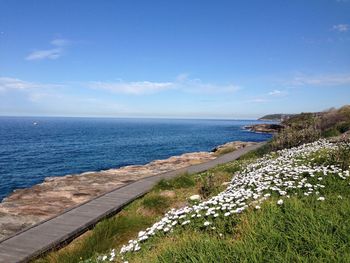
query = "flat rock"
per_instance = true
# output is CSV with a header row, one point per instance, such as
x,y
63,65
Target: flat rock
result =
x,y
25,207
265,128
231,146
195,197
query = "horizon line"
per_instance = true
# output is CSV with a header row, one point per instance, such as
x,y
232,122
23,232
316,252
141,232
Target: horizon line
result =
x,y
130,117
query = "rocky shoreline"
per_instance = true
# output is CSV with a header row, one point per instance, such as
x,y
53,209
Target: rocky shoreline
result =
x,y
265,128
26,207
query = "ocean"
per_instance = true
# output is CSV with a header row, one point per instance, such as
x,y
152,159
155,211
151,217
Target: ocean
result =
x,y
32,148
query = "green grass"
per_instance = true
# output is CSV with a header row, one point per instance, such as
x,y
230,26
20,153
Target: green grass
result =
x,y
257,153
227,149
181,181
301,230
111,231
107,234
156,203
140,214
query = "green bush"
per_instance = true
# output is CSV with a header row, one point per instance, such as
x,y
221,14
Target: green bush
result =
x,y
291,137
308,127
341,156
331,132
343,127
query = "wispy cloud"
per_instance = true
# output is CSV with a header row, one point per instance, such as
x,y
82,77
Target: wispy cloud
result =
x,y
271,96
275,92
278,93
45,54
13,83
55,52
20,97
185,84
182,83
7,83
133,88
257,100
60,42
341,27
320,80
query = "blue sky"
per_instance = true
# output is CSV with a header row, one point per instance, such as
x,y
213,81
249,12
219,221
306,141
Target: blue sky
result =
x,y
191,59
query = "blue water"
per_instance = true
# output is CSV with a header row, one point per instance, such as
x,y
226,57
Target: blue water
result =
x,y
60,146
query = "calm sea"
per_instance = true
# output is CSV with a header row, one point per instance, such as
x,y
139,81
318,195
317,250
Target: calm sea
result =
x,y
33,148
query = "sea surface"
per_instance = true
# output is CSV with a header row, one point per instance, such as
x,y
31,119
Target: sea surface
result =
x,y
33,148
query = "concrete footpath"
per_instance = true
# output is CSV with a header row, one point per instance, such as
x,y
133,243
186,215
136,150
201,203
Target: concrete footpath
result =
x,y
68,225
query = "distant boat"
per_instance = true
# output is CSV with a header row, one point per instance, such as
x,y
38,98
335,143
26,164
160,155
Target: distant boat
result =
x,y
35,123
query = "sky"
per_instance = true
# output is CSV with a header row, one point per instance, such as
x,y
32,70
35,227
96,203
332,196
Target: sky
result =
x,y
173,59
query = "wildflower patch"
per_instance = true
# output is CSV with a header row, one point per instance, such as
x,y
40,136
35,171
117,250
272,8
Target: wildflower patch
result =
x,y
295,171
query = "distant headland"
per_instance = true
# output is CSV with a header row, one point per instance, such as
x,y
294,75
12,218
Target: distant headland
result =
x,y
276,117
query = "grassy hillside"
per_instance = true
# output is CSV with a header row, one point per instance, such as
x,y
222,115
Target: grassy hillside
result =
x,y
291,205
288,206
308,127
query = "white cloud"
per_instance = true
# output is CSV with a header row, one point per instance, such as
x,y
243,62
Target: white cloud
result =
x,y
182,83
12,83
278,93
45,54
341,27
257,100
321,80
44,96
52,53
18,97
60,42
7,83
275,92
133,88
185,84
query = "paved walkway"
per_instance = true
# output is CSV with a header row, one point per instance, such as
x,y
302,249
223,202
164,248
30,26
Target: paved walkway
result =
x,y
63,228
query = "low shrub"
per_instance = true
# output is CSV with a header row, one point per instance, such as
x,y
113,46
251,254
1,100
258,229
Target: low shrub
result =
x,y
341,156
291,137
308,127
331,132
343,126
